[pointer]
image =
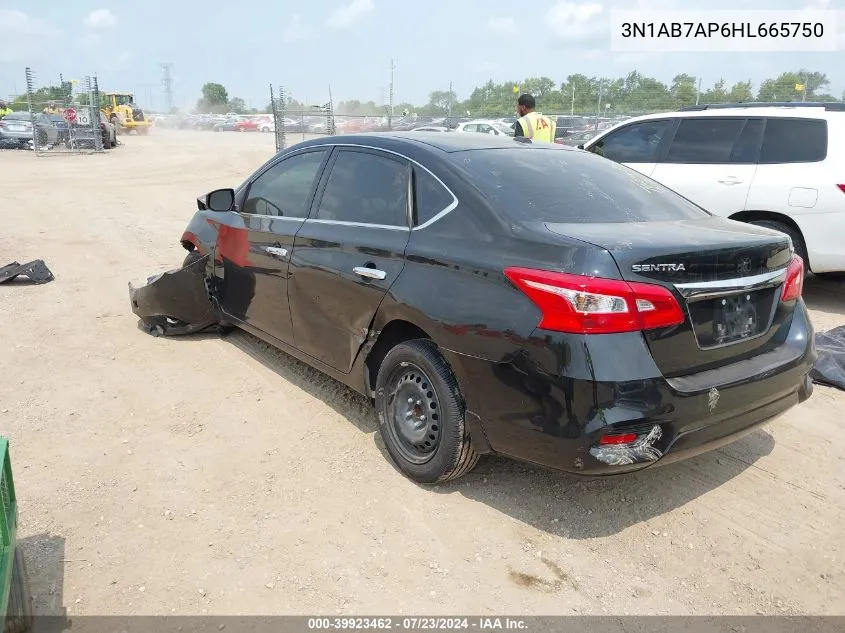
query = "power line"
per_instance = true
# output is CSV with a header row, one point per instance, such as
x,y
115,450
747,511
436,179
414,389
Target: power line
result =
x,y
167,85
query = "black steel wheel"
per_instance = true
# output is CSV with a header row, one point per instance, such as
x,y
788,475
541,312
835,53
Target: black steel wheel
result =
x,y
421,414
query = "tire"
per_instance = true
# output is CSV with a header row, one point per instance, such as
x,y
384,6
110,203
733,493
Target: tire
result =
x,y
19,616
439,448
190,258
837,276
795,236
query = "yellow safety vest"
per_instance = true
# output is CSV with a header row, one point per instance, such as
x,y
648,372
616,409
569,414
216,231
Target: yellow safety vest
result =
x,y
537,127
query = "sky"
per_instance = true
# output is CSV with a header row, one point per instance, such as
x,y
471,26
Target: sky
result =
x,y
349,44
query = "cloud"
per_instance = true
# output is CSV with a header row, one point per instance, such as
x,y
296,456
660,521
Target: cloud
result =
x,y
346,16
502,26
573,21
100,19
296,30
24,36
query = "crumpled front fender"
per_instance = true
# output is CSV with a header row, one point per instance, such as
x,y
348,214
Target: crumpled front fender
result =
x,y
177,302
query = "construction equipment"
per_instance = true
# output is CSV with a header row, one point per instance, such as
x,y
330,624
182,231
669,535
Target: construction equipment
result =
x,y
15,597
121,110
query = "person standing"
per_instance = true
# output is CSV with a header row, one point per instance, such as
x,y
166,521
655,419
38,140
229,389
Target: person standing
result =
x,y
533,125
4,109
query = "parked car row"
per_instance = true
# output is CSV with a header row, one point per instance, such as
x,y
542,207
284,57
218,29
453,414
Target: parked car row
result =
x,y
48,130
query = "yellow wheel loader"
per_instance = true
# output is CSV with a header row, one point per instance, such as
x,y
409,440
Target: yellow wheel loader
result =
x,y
120,109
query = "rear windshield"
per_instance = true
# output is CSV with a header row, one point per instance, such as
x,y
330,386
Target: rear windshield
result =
x,y
19,116
559,186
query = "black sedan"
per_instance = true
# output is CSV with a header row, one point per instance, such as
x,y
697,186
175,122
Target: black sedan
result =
x,y
495,296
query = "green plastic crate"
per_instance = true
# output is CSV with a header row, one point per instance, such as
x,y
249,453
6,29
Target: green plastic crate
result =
x,y
15,598
8,527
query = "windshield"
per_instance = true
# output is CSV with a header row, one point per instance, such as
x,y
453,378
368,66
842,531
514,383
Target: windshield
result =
x,y
123,99
560,186
18,116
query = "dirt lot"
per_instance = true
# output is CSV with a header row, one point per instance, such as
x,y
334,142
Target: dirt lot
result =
x,y
208,475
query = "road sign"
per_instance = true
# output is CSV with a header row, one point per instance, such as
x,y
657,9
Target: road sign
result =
x,y
83,117
515,89
69,115
799,87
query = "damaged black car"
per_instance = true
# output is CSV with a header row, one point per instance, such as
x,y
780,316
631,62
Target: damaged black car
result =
x,y
490,296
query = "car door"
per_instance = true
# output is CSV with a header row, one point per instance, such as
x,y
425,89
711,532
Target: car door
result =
x,y
254,249
637,145
349,252
712,161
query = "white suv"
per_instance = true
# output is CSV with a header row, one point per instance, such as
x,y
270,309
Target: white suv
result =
x,y
780,166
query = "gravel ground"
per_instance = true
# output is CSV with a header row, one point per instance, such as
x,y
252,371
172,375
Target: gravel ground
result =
x,y
207,475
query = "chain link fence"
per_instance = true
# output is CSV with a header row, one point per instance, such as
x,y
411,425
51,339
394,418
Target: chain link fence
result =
x,y
56,119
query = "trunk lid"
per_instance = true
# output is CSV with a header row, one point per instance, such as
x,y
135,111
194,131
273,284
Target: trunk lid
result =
x,y
726,275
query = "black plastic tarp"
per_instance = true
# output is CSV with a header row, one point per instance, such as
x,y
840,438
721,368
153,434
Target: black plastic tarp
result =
x,y
830,366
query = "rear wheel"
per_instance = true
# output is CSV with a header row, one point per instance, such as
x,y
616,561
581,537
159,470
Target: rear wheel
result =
x,y
421,414
794,235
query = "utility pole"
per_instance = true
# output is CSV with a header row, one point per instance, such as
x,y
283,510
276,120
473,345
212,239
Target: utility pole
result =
x,y
698,91
449,106
167,86
392,72
572,107
804,91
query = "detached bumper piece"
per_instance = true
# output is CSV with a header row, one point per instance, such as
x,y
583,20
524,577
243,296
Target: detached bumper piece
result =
x,y
36,270
175,303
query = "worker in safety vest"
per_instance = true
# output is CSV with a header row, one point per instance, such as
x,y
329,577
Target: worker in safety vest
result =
x,y
4,109
533,125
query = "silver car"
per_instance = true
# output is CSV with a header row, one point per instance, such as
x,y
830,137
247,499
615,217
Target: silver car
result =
x,y
16,129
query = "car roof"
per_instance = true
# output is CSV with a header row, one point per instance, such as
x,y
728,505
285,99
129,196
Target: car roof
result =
x,y
448,143
797,111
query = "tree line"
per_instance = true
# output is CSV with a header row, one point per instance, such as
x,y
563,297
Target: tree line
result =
x,y
633,94
579,94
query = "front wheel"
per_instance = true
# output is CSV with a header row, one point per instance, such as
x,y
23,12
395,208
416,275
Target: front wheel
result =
x,y
421,414
190,258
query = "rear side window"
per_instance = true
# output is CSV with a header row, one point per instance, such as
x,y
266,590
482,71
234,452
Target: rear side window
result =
x,y
794,141
560,186
366,188
431,197
635,143
747,148
705,140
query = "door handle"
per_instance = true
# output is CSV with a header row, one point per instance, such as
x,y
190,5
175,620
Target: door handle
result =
x,y
730,180
278,251
371,273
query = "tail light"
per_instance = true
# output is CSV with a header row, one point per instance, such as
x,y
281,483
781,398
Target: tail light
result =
x,y
794,284
591,305
102,126
616,440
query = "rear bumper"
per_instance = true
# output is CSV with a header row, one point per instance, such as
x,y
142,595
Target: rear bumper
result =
x,y
15,137
176,302
550,401
131,123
